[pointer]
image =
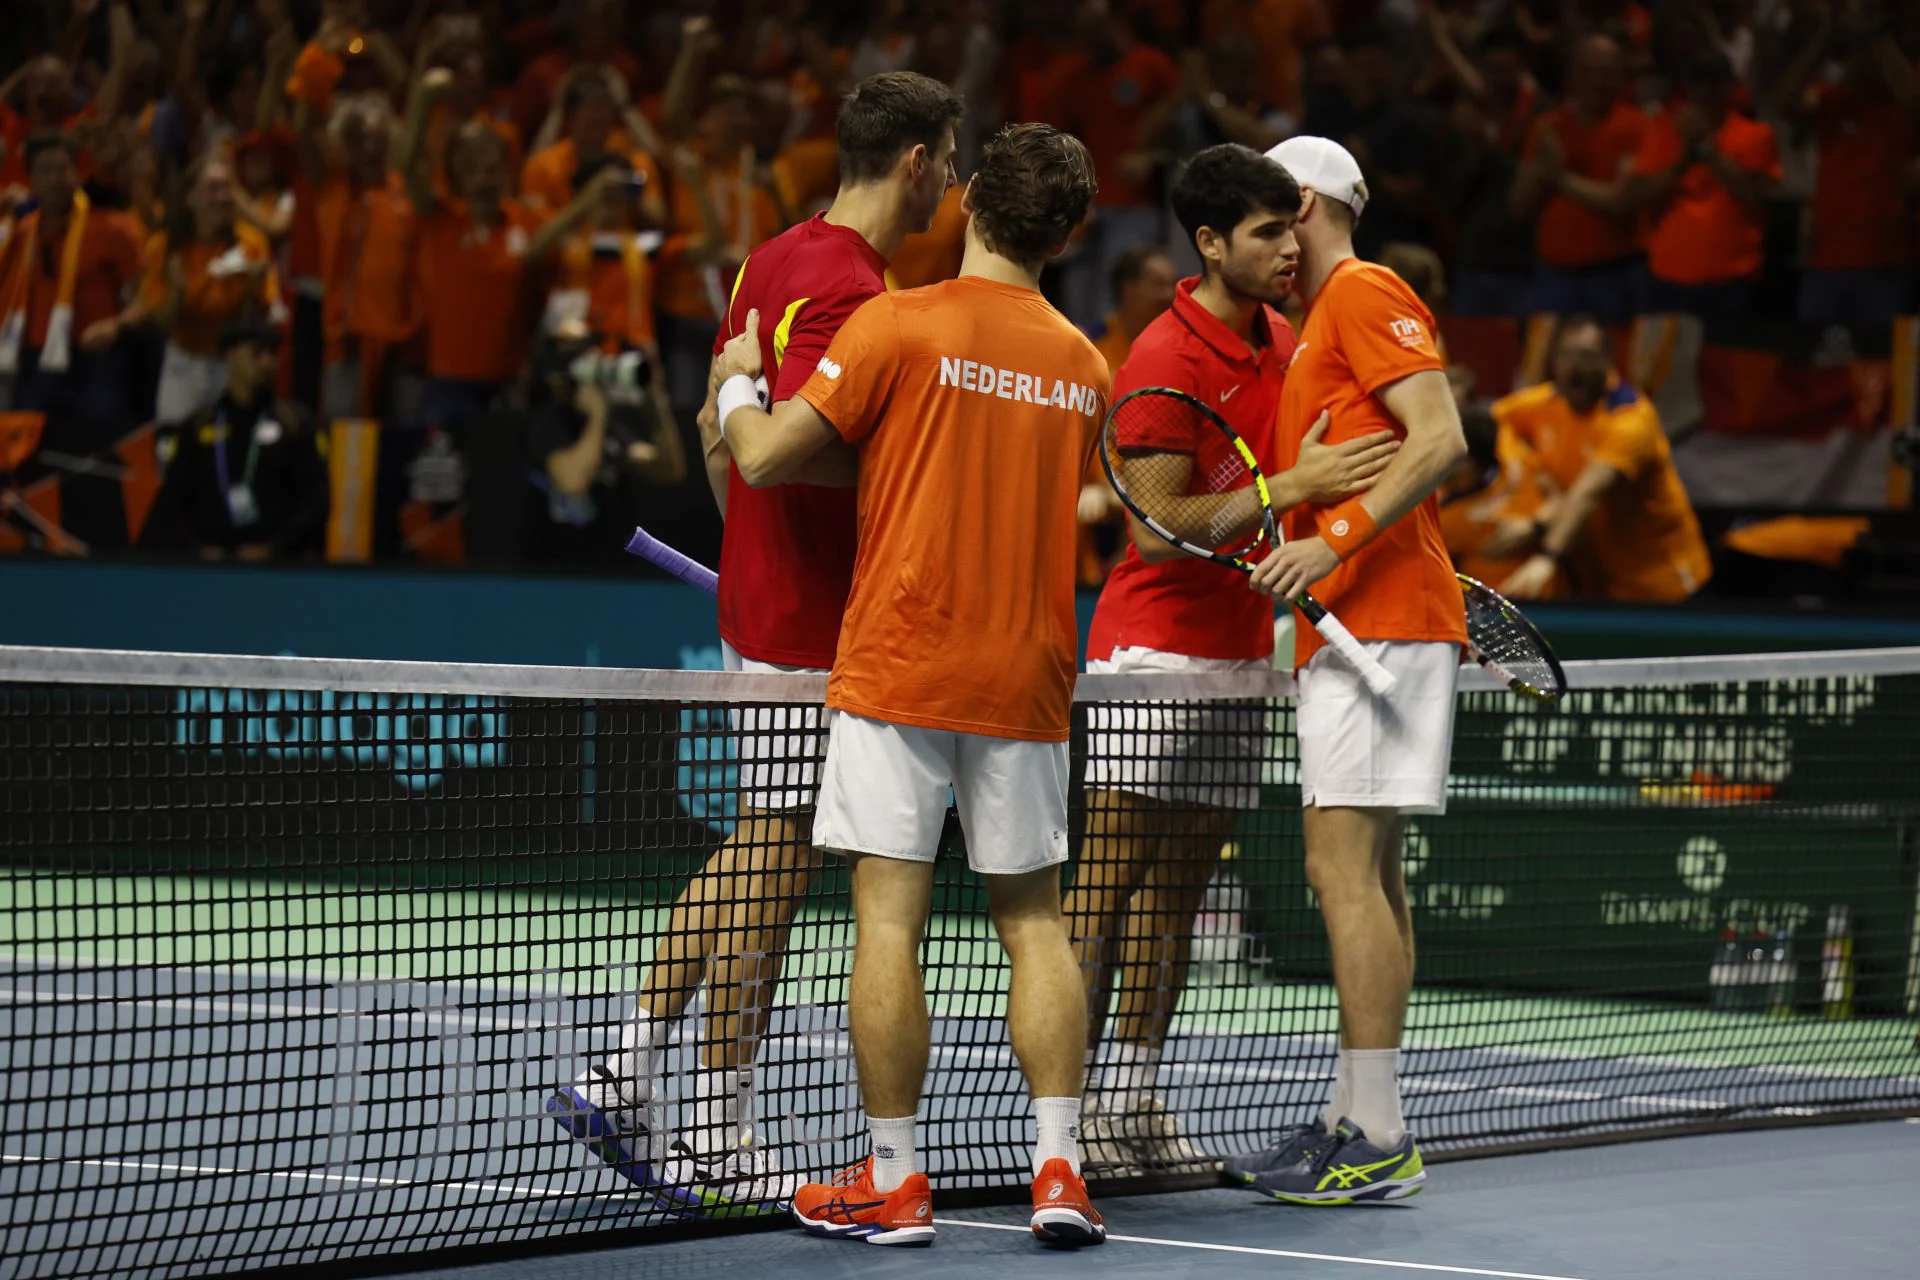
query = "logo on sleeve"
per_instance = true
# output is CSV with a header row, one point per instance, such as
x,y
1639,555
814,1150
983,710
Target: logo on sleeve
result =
x,y
828,367
1409,332
1340,528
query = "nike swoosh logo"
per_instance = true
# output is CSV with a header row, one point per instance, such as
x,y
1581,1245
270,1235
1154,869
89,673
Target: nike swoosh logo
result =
x,y
1228,395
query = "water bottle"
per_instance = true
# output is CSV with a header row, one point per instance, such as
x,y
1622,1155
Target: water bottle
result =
x,y
1836,964
1219,931
1723,977
1782,972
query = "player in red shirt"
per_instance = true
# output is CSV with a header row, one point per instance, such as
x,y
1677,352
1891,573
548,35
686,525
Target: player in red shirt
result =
x,y
1166,784
786,567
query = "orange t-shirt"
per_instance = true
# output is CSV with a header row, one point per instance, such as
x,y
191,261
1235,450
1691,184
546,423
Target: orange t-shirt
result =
x,y
470,284
212,299
1643,541
1104,107
104,277
1702,235
1859,219
1568,233
1468,519
934,254
615,275
1279,29
693,292
370,289
546,182
1367,329
973,404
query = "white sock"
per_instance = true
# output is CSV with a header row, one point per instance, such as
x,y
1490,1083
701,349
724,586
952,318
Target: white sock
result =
x,y
1376,1096
894,1158
643,1039
1056,1124
722,1116
1132,1071
1341,1100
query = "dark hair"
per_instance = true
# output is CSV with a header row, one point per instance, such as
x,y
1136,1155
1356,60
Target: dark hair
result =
x,y
1223,185
51,140
888,114
1033,187
1132,264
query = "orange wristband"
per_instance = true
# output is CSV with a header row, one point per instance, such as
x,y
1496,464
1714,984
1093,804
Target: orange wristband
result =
x,y
1347,528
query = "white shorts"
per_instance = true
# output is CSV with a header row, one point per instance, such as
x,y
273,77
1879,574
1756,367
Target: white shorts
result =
x,y
1178,753
779,745
1361,752
884,791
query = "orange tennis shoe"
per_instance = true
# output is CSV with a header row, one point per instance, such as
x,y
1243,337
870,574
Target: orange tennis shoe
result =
x,y
850,1208
1062,1213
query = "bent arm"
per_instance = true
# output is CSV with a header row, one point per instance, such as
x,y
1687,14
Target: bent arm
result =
x,y
1422,403
775,447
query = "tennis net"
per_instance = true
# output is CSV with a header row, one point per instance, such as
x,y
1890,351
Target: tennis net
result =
x,y
295,950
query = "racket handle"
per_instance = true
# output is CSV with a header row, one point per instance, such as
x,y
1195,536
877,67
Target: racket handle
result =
x,y
685,568
1379,680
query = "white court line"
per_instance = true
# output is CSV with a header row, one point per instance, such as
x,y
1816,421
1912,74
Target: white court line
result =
x,y
224,1002
1274,1253
307,1175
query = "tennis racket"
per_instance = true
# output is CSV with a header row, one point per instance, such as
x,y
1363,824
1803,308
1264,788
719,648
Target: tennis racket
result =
x,y
683,567
1151,449
1511,649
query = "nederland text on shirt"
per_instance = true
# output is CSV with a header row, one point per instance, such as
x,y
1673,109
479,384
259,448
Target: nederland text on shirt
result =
x,y
1009,384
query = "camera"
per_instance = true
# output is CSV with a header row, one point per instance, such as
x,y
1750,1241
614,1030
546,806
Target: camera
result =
x,y
567,360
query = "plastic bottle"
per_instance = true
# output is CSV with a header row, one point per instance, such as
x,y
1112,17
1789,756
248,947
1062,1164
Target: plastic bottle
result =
x,y
1723,975
1783,972
1836,964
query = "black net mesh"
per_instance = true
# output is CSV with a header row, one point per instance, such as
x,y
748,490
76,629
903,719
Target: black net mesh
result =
x,y
291,974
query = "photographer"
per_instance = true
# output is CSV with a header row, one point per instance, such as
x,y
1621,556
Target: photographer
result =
x,y
602,440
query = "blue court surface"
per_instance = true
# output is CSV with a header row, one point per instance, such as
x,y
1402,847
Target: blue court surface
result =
x,y
1772,1205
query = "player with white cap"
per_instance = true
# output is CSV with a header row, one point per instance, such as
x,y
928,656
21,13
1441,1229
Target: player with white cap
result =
x,y
1366,356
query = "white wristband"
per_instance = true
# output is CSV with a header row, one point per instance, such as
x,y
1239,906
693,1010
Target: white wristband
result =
x,y
736,392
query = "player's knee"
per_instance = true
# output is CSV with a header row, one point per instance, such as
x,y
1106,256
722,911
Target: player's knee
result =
x,y
1340,870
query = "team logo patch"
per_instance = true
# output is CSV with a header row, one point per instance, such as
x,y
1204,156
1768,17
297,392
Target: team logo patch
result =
x,y
1340,528
828,367
1409,332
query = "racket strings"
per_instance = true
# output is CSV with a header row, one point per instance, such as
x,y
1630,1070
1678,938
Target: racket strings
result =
x,y
1153,446
1501,637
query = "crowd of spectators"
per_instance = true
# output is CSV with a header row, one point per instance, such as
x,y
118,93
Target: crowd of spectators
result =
x,y
505,229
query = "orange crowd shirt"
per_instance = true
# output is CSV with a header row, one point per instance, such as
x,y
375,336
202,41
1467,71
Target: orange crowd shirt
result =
x,y
1860,220
547,180
469,281
1643,542
1104,108
108,268
973,404
1568,233
614,273
221,279
747,214
934,254
1365,330
370,291
1703,235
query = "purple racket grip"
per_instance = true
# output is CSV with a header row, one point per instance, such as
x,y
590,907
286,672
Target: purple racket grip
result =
x,y
690,571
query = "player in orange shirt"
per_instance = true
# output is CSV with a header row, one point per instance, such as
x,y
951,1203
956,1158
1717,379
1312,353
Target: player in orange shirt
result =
x,y
1377,562
1624,526
972,405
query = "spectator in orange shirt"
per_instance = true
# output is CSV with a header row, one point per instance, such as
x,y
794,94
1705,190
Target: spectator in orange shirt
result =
x,y
370,307
591,112
46,102
67,278
1116,99
1143,286
1573,186
1623,527
204,269
1860,253
1479,496
1704,172
472,96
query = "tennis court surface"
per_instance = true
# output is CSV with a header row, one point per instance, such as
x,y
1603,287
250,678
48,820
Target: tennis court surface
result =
x,y
294,951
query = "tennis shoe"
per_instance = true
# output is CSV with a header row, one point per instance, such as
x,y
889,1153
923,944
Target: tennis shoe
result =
x,y
851,1208
744,1182
1103,1147
1347,1170
1062,1212
1154,1139
626,1135
1287,1148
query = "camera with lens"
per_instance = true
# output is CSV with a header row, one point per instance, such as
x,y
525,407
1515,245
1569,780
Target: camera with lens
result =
x,y
568,359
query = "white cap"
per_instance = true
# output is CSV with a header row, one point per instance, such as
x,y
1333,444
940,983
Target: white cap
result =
x,y
1326,166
